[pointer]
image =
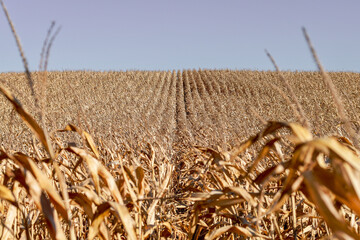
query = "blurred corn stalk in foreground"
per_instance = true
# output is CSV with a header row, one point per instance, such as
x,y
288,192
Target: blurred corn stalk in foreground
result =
x,y
310,191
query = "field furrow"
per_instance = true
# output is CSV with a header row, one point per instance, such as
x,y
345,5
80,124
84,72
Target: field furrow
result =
x,y
196,100
169,117
181,122
189,103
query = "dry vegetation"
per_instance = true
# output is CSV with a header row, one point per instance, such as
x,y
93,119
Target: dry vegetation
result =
x,y
146,166
205,107
205,154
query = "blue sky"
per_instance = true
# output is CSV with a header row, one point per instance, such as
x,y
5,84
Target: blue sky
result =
x,y
163,34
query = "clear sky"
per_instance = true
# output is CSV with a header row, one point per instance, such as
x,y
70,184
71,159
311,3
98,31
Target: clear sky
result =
x,y
187,34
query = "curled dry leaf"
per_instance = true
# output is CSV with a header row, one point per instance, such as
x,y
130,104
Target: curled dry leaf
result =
x,y
164,187
337,184
101,212
326,208
263,153
11,215
43,181
29,121
96,170
6,194
83,202
89,140
124,216
228,229
241,192
140,181
42,202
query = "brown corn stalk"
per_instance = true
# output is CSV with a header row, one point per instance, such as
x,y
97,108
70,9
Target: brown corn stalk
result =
x,y
334,93
304,120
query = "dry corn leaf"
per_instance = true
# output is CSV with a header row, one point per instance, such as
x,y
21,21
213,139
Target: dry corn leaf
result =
x,y
303,158
302,134
92,165
166,232
241,192
263,177
168,229
64,192
291,186
326,208
192,229
83,202
203,196
334,149
124,216
3,155
29,121
149,231
219,181
101,212
127,174
104,231
242,147
229,202
42,202
90,194
263,153
272,127
11,215
98,169
140,181
6,194
228,229
342,189
44,183
228,176
352,177
87,136
164,186
216,155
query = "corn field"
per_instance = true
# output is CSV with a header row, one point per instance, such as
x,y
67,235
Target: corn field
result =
x,y
199,154
192,154
207,107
